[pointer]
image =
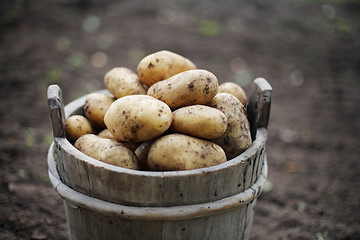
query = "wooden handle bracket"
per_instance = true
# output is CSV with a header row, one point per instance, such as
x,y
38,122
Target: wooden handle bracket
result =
x,y
56,108
259,104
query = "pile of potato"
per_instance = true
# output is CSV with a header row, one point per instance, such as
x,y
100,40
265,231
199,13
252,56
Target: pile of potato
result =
x,y
168,116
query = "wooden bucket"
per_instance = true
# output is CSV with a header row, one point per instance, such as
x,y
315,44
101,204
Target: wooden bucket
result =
x,y
103,201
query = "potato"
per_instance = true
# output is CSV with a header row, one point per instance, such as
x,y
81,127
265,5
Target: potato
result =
x,y
234,89
107,150
162,65
142,155
95,107
181,152
131,145
76,126
199,121
187,88
106,133
122,82
237,137
138,118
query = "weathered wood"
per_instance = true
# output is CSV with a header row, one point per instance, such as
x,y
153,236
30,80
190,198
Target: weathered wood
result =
x,y
173,213
89,218
56,108
259,105
214,227
89,225
249,216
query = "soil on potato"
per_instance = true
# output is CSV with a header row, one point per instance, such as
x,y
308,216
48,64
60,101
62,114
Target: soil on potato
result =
x,y
307,50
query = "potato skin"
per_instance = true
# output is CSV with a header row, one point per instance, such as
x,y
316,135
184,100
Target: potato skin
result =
x,y
199,121
181,152
237,137
121,81
187,88
138,118
76,126
95,107
107,150
106,133
234,89
162,65
142,153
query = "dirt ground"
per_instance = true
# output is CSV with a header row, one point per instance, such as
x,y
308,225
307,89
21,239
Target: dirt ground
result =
x,y
307,50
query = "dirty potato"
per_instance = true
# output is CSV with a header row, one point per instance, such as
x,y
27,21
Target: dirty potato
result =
x,y
121,81
76,126
162,65
181,152
199,121
187,88
95,107
106,133
138,118
234,89
237,137
142,155
107,150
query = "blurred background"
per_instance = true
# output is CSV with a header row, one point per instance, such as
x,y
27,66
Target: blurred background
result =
x,y
308,50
